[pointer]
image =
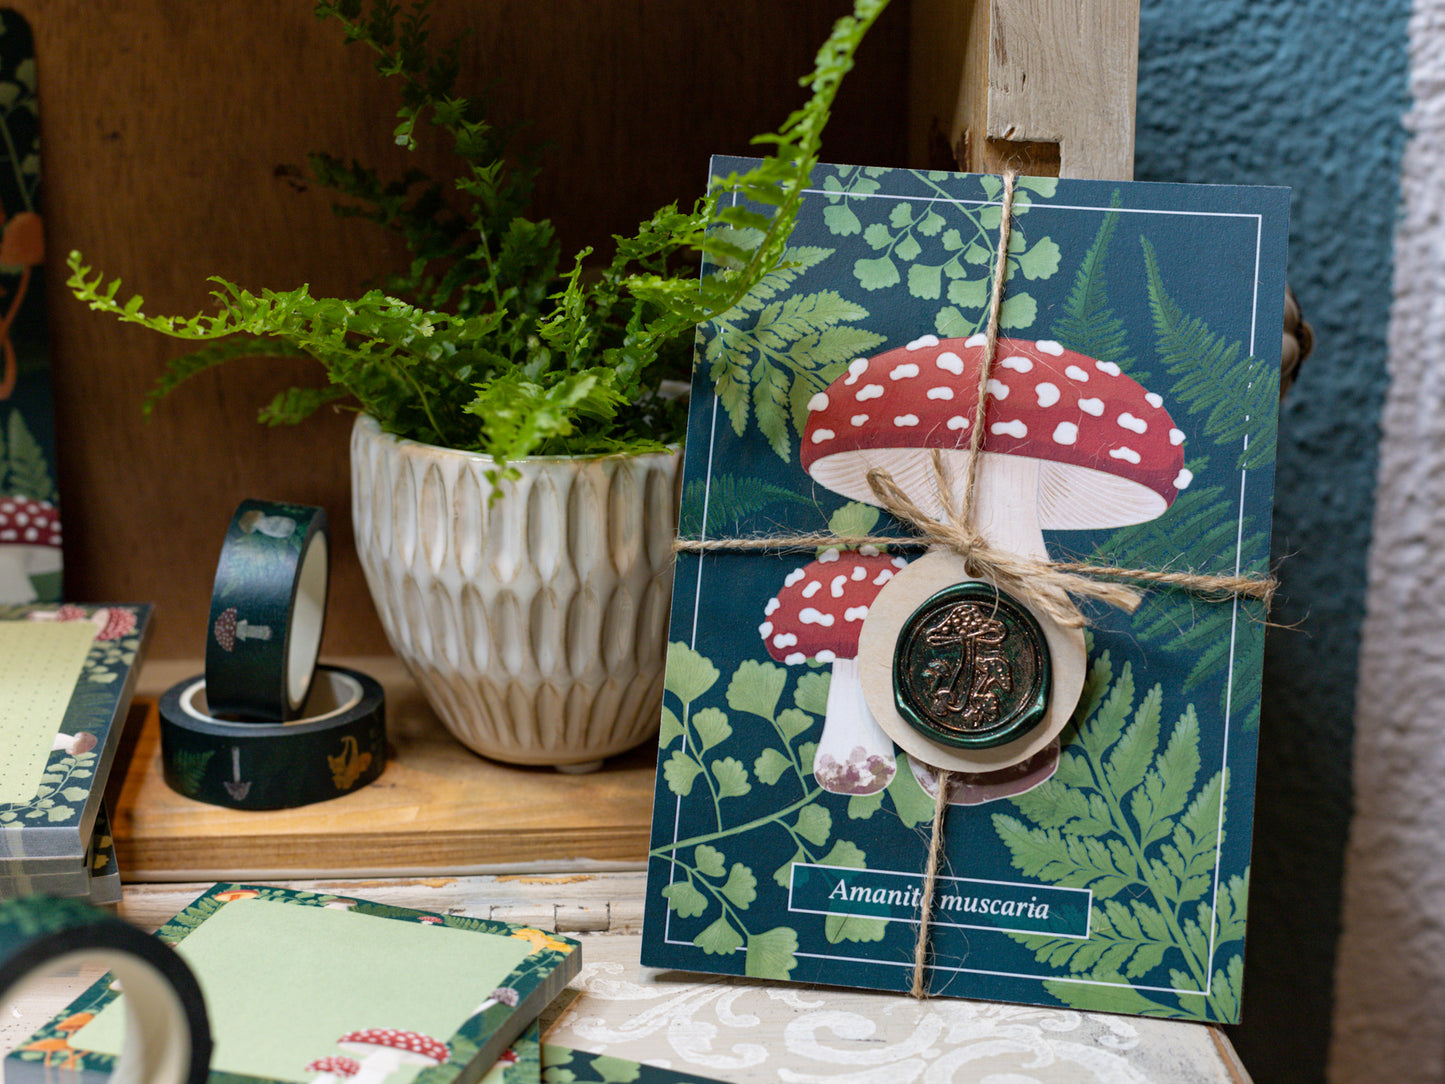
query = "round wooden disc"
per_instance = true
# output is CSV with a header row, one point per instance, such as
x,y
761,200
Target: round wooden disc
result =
x,y
878,641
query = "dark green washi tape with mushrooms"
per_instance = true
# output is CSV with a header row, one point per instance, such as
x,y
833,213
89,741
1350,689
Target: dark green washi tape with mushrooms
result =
x,y
167,1034
336,747
268,609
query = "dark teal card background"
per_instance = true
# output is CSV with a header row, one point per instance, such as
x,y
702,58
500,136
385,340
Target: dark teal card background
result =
x,y
1182,287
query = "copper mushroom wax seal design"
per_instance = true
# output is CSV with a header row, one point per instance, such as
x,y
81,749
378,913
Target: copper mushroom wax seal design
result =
x,y
1071,443
818,616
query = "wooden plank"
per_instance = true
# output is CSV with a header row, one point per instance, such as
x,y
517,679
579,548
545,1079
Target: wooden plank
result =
x,y
437,808
1041,86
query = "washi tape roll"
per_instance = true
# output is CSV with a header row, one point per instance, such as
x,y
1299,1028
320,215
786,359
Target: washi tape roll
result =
x,y
168,1037
337,746
268,608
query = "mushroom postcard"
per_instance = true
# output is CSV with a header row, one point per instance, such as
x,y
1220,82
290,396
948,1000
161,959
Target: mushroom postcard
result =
x,y
964,663
313,988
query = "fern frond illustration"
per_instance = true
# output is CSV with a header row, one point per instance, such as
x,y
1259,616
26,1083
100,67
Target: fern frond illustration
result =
x,y
1086,322
1212,379
728,499
771,354
24,470
1128,817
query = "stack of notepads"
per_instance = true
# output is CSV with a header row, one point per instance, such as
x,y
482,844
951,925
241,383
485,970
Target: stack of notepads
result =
x,y
305,986
68,673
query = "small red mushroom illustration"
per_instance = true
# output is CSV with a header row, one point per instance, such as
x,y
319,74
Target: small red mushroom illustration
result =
x,y
1071,443
230,895
29,546
817,616
333,1069
230,628
111,622
502,995
74,744
382,1051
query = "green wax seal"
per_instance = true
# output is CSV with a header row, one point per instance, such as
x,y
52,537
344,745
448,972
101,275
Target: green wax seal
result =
x,y
971,668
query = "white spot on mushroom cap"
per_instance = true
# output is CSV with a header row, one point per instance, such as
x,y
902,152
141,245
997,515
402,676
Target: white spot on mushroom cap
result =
x,y
997,389
856,368
900,562
1176,438
922,341
858,420
958,421
826,656
772,606
813,588
941,392
1048,393
1107,367
1066,433
765,629
1012,428
976,340
820,435
884,575
859,572
1154,399
1183,478
785,639
836,587
869,550
855,613
818,402
808,615
1127,454
1092,406
869,391
1050,346
1018,363
795,658
903,421
1073,372
1131,423
793,577
829,554
949,362
904,371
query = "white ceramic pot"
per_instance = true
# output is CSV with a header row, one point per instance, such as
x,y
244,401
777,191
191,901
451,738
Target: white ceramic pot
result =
x,y
535,623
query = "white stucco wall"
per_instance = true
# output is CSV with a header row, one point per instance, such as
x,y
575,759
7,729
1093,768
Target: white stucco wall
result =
x,y
1389,1017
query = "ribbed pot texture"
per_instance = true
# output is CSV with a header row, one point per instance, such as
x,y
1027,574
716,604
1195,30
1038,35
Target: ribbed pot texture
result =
x,y
535,623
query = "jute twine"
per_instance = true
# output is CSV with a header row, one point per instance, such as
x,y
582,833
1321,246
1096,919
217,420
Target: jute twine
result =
x,y
1050,586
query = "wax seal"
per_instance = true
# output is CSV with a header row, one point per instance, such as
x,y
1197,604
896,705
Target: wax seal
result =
x,y
971,668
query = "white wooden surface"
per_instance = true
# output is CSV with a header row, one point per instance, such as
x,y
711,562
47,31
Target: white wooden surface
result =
x,y
738,1030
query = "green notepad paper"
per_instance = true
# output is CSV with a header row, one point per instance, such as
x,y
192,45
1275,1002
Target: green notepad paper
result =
x,y
295,982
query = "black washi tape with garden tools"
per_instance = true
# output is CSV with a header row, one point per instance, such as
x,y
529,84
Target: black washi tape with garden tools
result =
x,y
268,608
337,746
167,1034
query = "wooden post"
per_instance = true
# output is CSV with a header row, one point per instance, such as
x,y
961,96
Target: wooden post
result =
x,y
1042,86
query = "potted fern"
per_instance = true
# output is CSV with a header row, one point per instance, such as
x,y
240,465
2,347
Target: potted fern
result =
x,y
515,454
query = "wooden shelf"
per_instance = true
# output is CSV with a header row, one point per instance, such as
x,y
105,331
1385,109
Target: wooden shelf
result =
x,y
438,808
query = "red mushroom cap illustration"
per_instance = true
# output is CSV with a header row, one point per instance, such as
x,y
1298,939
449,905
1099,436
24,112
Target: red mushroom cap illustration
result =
x,y
339,1066
818,616
29,545
383,1050
1106,452
226,629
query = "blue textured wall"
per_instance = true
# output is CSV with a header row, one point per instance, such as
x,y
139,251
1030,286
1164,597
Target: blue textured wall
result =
x,y
1310,94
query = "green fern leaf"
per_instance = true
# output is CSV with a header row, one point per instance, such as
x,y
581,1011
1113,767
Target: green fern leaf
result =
x,y
1086,323
29,471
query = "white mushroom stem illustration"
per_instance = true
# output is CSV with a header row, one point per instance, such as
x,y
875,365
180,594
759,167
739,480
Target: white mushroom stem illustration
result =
x,y
817,616
382,1051
1071,443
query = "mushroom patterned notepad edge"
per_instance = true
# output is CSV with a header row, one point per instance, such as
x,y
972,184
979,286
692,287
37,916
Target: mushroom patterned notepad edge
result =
x,y
1096,844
